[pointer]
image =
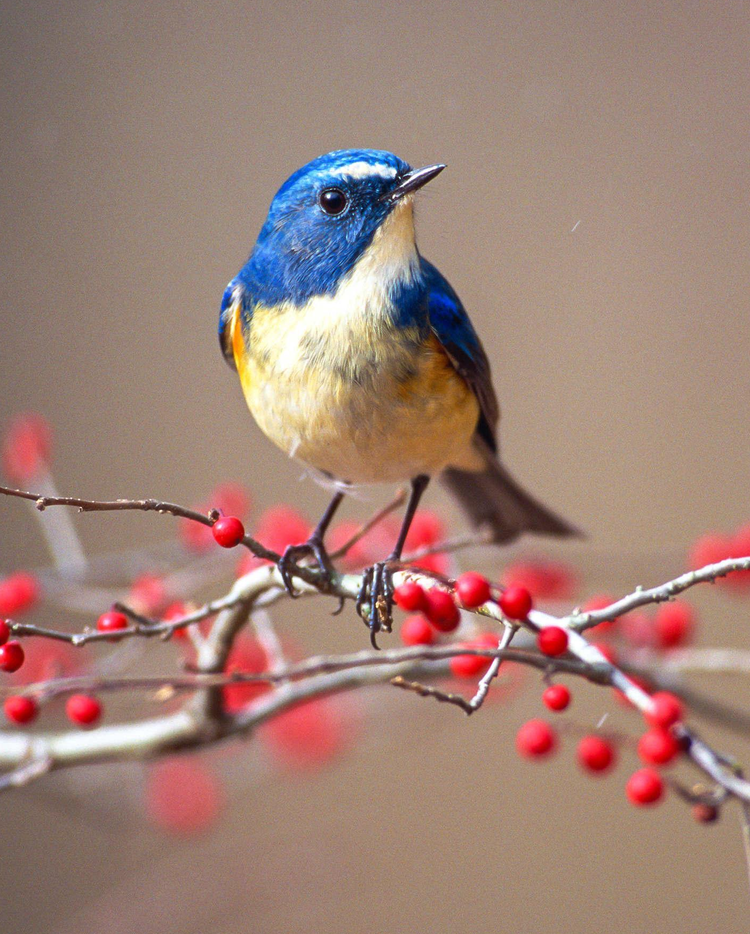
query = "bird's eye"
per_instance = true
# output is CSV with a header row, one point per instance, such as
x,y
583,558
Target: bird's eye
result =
x,y
333,201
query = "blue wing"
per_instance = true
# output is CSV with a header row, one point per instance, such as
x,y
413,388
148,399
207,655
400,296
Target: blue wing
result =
x,y
455,332
235,302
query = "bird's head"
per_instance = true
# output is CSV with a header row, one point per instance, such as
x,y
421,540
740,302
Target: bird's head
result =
x,y
327,215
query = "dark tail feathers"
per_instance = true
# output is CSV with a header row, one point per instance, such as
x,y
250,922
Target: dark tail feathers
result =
x,y
492,499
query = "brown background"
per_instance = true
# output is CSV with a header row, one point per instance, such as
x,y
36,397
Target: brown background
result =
x,y
140,147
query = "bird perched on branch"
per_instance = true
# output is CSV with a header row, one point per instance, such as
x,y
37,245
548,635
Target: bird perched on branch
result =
x,y
357,357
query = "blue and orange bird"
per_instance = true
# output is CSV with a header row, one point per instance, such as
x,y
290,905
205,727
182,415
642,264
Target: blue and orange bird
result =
x,y
357,358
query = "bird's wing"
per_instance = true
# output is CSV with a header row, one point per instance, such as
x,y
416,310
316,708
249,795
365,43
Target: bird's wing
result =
x,y
232,302
454,330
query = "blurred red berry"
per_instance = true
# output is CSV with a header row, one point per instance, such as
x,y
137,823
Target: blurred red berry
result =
x,y
600,602
247,657
11,656
309,736
175,611
674,624
547,580
438,563
247,563
112,621
426,530
556,697
27,448
516,603
644,787
623,699
20,708
183,796
195,536
715,547
607,651
705,813
233,499
657,747
666,710
536,739
4,631
410,596
552,640
415,630
441,610
148,594
596,754
473,666
281,526
637,629
473,589
18,593
358,555
83,709
228,531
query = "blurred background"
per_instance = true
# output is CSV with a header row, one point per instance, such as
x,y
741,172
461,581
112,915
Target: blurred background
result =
x,y
594,219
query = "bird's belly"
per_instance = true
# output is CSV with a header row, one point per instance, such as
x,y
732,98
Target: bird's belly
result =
x,y
365,418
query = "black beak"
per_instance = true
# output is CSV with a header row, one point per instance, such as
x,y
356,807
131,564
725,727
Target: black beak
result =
x,y
414,180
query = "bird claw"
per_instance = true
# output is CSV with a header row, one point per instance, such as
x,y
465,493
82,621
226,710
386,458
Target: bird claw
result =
x,y
375,599
313,548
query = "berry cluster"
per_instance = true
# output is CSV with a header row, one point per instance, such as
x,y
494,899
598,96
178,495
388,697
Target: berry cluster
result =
x,y
597,754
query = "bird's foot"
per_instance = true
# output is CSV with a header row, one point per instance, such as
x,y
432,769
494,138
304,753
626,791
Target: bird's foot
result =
x,y
312,548
375,598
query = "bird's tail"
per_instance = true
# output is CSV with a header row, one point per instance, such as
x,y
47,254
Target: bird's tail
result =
x,y
493,499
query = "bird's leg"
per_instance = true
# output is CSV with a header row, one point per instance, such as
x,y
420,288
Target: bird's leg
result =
x,y
313,546
375,598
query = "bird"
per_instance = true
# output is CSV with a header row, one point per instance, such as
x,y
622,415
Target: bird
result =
x,y
357,358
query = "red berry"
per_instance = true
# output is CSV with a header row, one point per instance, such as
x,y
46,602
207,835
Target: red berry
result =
x,y
705,813
112,621
644,787
20,708
27,447
228,531
4,632
556,697
535,739
596,754
552,640
18,593
415,630
83,709
471,666
473,589
657,747
409,596
11,656
666,710
515,602
441,611
674,623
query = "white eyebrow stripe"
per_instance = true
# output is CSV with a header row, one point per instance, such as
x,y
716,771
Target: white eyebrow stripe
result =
x,y
366,169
